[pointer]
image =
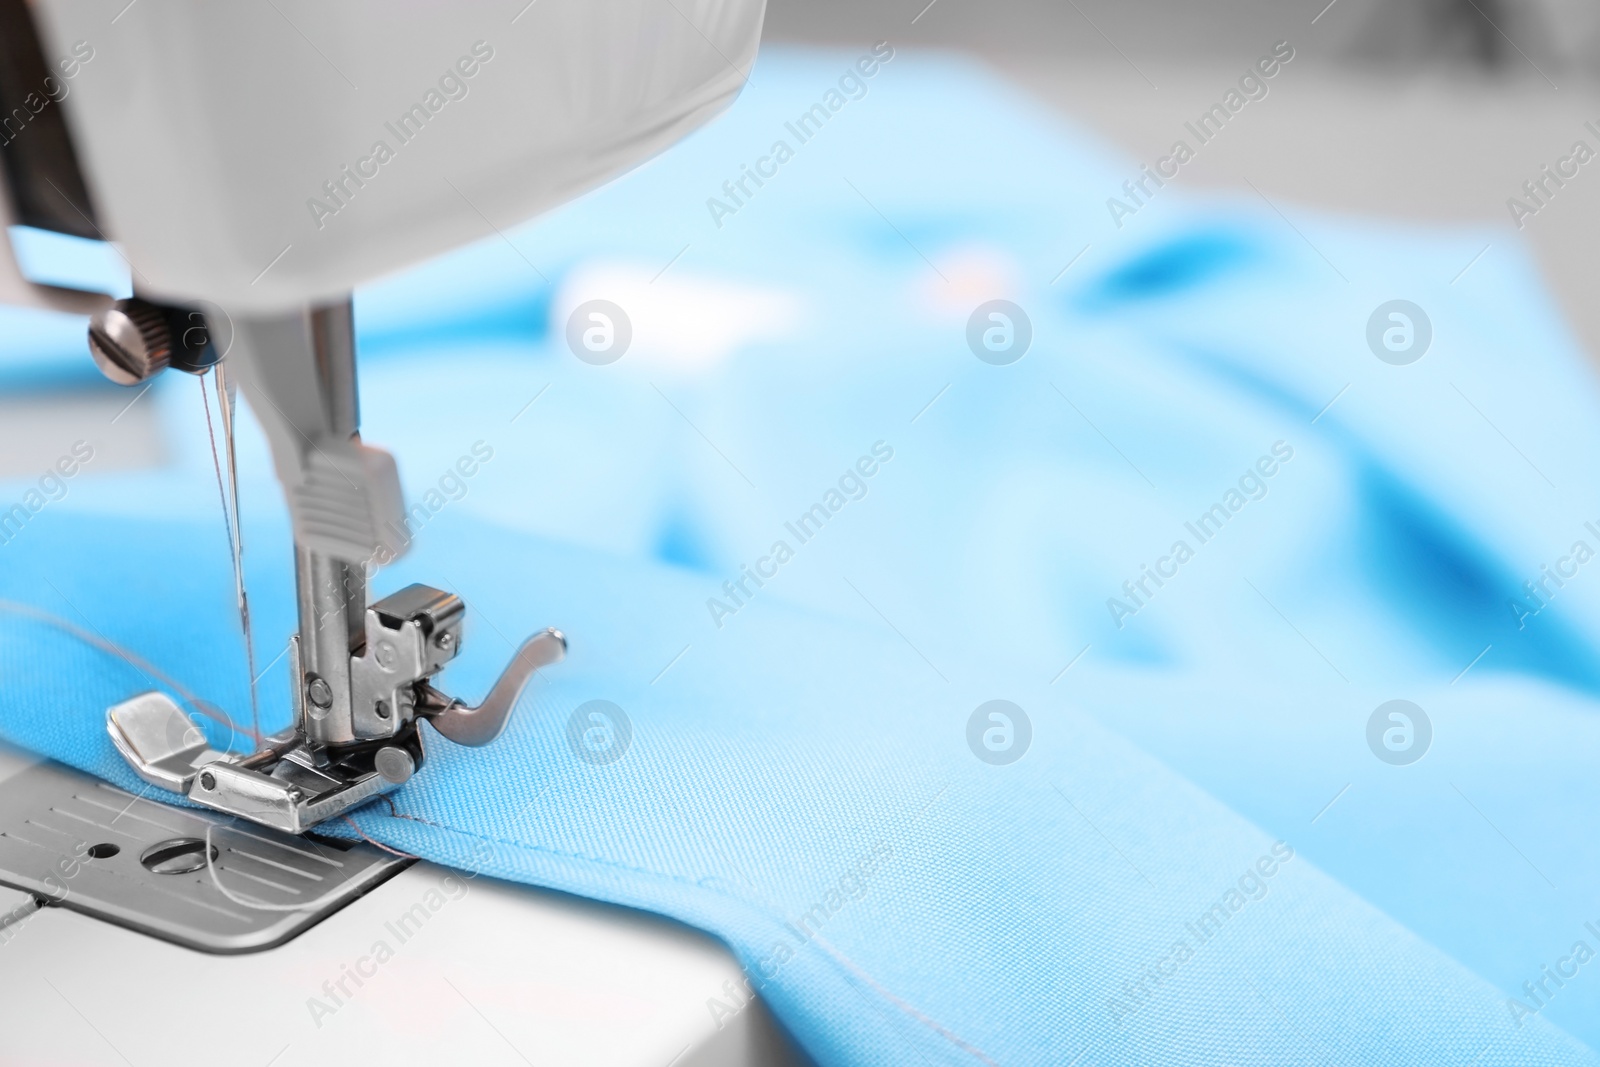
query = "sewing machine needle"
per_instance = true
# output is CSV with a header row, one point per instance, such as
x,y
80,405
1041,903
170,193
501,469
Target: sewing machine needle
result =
x,y
226,397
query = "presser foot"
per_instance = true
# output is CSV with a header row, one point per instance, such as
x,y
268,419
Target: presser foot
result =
x,y
292,794
297,780
282,786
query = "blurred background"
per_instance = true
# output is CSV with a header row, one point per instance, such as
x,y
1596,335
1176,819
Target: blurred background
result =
x,y
1423,110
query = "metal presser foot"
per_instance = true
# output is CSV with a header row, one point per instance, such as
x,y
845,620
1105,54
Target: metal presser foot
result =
x,y
361,674
295,781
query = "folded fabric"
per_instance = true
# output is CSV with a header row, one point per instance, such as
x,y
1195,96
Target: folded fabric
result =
x,y
803,788
1198,856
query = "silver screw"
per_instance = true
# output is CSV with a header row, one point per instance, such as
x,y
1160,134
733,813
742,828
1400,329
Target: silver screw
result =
x,y
130,341
394,764
319,692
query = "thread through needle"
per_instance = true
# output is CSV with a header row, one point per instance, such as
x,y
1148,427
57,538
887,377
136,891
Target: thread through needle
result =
x,y
228,490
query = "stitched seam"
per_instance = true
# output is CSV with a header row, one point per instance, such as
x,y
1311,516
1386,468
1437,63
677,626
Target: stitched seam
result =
x,y
610,864
842,964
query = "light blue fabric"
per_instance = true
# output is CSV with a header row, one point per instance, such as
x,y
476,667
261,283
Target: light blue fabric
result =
x,y
815,741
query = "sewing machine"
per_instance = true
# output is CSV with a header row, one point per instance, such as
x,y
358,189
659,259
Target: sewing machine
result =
x,y
254,163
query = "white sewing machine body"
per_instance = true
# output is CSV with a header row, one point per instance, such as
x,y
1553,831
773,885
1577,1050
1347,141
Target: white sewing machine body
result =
x,y
254,163
352,139
432,966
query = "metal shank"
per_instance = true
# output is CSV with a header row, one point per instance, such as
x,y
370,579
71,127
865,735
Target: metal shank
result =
x,y
360,673
332,593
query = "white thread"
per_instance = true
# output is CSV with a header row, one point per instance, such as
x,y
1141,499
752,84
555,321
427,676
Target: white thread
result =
x,y
230,522
138,663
